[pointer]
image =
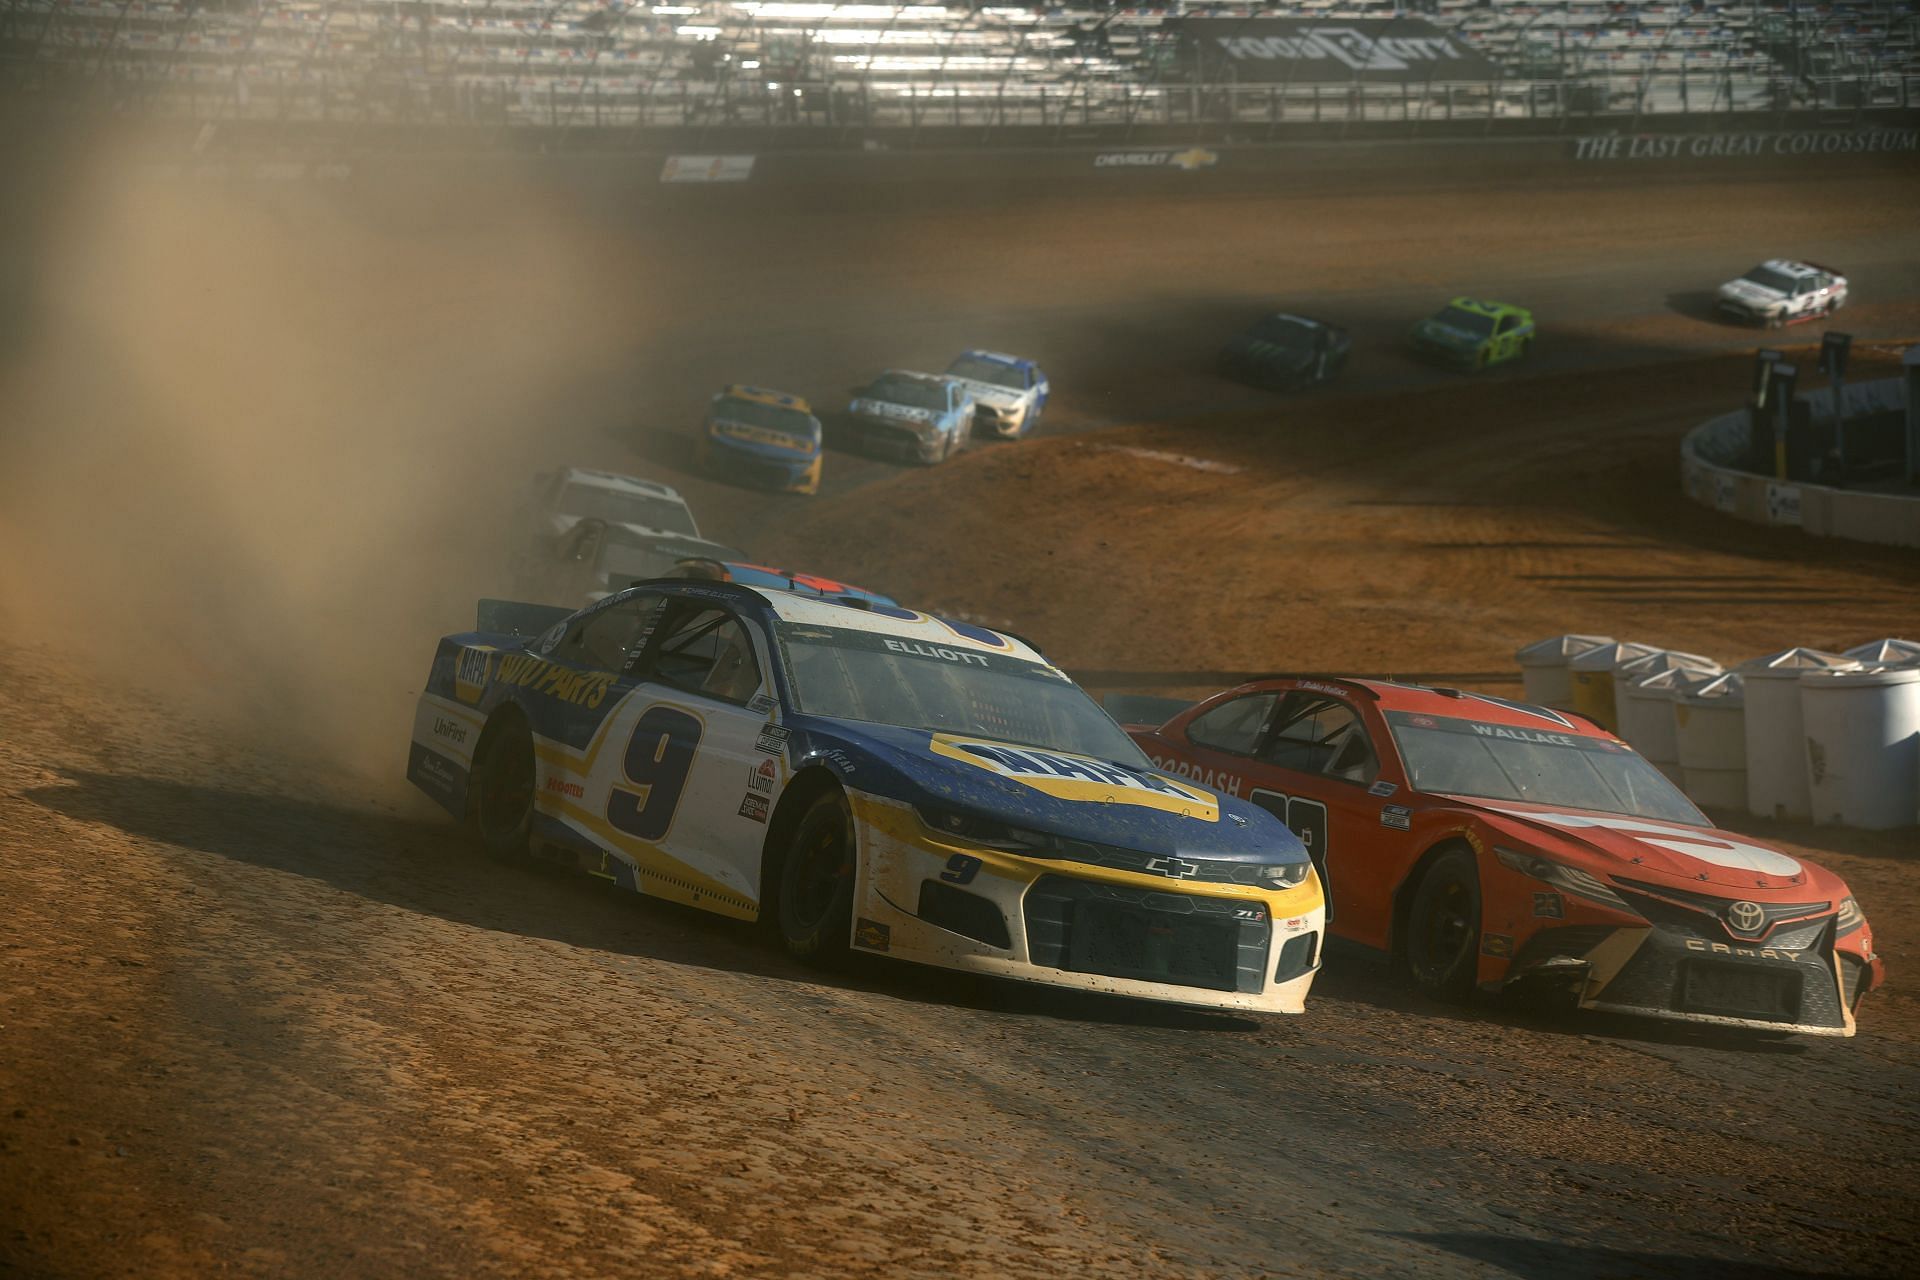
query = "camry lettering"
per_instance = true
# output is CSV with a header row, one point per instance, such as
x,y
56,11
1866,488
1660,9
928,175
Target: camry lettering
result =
x,y
1751,953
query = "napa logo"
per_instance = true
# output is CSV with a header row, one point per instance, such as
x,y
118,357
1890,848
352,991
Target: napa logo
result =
x,y
470,672
1079,778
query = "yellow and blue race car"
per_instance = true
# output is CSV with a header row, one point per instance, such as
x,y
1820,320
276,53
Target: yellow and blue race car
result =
x,y
1469,333
760,437
863,776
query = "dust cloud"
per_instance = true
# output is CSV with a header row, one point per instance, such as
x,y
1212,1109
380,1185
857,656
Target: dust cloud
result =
x,y
259,444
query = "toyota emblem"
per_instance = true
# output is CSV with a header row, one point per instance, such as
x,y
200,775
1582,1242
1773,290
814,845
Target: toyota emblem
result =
x,y
1746,917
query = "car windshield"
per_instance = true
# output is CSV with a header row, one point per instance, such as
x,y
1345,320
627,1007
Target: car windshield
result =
x,y
881,679
1767,278
980,369
771,416
1445,755
913,392
1480,326
620,506
1285,331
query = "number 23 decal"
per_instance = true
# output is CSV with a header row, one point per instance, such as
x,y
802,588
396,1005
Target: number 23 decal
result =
x,y
658,759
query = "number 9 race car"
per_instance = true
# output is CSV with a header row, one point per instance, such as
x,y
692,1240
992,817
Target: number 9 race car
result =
x,y
1489,844
868,777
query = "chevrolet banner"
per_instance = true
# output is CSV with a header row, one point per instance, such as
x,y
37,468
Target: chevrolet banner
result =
x,y
1341,50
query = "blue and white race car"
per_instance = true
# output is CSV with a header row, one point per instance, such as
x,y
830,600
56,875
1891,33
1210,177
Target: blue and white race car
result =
x,y
1008,392
863,777
911,417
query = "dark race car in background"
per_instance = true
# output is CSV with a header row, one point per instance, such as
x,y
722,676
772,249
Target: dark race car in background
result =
x,y
1284,351
1488,843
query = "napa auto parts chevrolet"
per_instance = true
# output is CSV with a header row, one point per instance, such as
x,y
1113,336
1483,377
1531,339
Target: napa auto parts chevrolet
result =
x,y
1490,844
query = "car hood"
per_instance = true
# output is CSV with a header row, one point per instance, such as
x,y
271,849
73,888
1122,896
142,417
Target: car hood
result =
x,y
989,393
1435,331
749,433
1270,354
1638,848
871,408
1069,796
1744,290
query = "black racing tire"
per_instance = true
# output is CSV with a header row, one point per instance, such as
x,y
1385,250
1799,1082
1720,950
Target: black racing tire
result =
x,y
503,787
814,912
1443,927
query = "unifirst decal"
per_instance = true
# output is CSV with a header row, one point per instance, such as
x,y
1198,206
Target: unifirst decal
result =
x,y
583,688
1081,778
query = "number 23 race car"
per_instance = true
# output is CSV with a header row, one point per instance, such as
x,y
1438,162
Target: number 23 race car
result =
x,y
862,775
1487,843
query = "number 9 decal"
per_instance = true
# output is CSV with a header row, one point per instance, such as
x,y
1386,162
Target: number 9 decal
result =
x,y
659,757
961,869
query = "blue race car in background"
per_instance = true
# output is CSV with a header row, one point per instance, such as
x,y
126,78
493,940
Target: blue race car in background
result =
x,y
863,777
911,417
1008,392
760,437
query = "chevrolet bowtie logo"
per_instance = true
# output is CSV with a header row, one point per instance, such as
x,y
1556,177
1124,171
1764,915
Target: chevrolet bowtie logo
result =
x,y
1195,158
1174,868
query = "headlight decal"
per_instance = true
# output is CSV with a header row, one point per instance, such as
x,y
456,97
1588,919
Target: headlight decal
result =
x,y
1572,880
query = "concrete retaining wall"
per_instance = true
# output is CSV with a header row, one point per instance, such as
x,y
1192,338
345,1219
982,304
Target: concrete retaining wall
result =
x,y
1710,477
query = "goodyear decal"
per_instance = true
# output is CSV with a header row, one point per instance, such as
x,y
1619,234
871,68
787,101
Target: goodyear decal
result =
x,y
582,688
1076,777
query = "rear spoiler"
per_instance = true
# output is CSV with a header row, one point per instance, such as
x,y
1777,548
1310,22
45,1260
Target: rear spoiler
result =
x,y
1143,708
516,618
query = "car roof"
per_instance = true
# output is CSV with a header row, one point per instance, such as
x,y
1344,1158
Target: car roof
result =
x,y
937,378
1482,306
614,480
761,395
1433,700
1792,267
775,579
1018,362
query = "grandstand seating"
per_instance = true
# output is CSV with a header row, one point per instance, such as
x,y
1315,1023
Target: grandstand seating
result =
x,y
611,62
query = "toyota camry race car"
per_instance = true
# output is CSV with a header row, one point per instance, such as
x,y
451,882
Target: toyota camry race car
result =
x,y
1487,843
1008,392
1283,352
864,777
755,436
911,417
1468,333
1782,292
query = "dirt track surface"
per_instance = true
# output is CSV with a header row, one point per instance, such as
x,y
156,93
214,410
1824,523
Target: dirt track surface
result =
x,y
263,1014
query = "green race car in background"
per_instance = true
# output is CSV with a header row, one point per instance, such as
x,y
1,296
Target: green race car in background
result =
x,y
1469,333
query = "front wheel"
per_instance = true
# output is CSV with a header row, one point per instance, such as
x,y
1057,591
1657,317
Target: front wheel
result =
x,y
815,910
1443,927
503,792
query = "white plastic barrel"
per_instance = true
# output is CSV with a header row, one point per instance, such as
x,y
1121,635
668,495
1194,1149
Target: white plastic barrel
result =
x,y
1647,664
1646,715
1776,736
1592,676
1863,745
1543,668
1890,652
1710,726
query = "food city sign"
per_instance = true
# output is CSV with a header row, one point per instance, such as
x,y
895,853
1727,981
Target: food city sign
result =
x,y
1286,50
1808,142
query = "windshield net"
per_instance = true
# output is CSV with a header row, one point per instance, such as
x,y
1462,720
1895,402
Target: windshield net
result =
x,y
788,421
1472,321
908,391
1449,756
881,679
1000,375
591,502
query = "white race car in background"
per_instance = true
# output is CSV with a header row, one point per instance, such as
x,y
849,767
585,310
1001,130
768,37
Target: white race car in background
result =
x,y
590,532
911,417
1780,292
1008,392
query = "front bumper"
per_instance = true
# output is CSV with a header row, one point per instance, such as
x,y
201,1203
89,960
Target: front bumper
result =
x,y
1007,423
1064,924
743,464
1748,312
893,438
1796,980
1442,353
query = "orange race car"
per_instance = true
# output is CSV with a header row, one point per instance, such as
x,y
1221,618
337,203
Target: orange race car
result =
x,y
1487,843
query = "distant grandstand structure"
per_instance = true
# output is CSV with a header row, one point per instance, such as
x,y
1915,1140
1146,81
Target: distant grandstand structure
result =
x,y
780,64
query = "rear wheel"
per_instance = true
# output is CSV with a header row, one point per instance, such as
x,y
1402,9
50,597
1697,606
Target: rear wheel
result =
x,y
815,910
503,791
1443,927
